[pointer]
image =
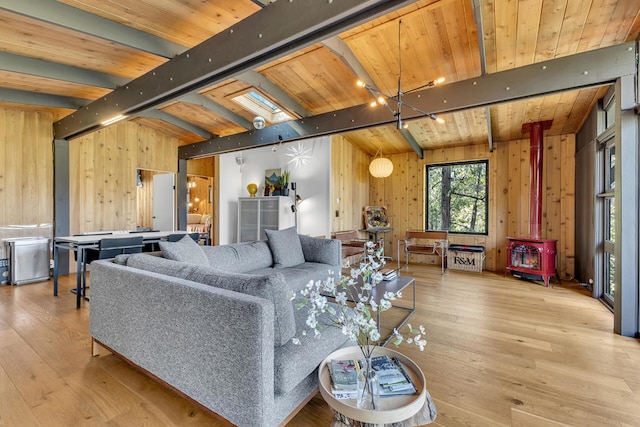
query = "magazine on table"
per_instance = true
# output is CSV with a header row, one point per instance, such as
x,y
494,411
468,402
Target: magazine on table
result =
x,y
392,378
344,378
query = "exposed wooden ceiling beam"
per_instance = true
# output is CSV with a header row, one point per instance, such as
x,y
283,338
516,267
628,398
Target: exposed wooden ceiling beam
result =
x,y
52,70
341,49
477,17
214,107
588,69
176,121
41,99
268,34
75,19
408,136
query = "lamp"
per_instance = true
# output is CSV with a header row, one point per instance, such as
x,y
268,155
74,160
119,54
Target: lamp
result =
x,y
139,178
380,167
294,208
382,99
240,161
297,199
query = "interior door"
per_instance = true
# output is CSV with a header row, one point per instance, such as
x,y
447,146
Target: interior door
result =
x,y
164,202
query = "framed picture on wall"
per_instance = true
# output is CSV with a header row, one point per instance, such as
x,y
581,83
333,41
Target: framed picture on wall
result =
x,y
272,177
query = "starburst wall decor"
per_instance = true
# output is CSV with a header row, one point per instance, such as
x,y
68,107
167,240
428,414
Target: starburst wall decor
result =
x,y
300,155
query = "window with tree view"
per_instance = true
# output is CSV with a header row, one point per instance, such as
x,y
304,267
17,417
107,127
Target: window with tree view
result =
x,y
457,198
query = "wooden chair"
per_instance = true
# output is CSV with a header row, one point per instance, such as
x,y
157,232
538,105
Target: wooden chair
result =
x,y
178,236
425,243
352,245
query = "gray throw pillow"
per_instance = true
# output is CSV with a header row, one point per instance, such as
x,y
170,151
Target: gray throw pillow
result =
x,y
185,250
285,247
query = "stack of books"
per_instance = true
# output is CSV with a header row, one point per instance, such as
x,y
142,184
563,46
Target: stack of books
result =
x,y
392,377
389,273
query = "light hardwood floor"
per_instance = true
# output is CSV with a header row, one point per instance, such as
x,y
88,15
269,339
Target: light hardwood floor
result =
x,y
500,352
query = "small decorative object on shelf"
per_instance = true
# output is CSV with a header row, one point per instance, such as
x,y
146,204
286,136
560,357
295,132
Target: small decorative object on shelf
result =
x,y
252,189
357,322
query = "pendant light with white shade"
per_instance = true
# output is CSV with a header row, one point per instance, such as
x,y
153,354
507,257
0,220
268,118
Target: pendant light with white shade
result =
x,y
380,167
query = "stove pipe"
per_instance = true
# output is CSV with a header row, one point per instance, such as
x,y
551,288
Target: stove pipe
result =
x,y
535,186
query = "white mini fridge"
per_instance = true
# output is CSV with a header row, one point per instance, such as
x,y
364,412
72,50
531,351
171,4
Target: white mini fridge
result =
x,y
28,259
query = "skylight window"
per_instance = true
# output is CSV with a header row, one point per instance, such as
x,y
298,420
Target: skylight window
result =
x,y
260,105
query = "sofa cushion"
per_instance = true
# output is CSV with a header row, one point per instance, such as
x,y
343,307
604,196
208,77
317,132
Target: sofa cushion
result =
x,y
160,265
297,277
323,251
271,287
185,250
239,257
285,247
293,362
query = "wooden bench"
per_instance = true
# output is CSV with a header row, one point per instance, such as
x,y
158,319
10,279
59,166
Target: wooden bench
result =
x,y
424,243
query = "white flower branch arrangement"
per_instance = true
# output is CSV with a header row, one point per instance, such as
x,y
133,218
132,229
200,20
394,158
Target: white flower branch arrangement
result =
x,y
354,311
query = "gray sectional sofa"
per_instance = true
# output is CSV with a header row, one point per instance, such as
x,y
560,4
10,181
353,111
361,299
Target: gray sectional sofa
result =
x,y
216,322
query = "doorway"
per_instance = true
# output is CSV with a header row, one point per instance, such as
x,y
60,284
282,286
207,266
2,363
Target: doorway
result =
x,y
156,200
164,206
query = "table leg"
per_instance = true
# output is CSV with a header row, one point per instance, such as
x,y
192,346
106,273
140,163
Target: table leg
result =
x,y
79,276
406,318
55,270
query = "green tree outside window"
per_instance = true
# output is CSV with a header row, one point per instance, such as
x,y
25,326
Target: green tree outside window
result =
x,y
456,197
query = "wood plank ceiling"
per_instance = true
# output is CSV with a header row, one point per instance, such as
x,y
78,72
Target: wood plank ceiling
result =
x,y
49,61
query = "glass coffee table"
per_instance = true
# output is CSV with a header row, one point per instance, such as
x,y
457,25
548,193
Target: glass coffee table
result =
x,y
412,410
400,283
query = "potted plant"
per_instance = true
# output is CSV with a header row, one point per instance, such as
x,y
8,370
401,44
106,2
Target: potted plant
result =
x,y
284,183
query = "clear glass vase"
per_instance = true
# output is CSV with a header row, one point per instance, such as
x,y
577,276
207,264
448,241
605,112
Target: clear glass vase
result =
x,y
368,386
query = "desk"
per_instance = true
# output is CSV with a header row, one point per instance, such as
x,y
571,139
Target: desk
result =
x,y
80,244
414,410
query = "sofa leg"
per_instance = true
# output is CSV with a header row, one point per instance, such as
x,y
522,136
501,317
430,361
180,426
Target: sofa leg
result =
x,y
95,348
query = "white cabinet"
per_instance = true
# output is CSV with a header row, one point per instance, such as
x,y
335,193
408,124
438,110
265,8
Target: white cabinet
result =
x,y
256,214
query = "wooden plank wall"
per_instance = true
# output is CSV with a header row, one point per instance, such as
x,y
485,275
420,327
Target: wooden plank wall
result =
x,y
102,176
403,194
201,192
26,173
203,172
349,184
202,167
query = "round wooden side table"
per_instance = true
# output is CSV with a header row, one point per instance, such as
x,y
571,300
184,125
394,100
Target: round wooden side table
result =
x,y
392,409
